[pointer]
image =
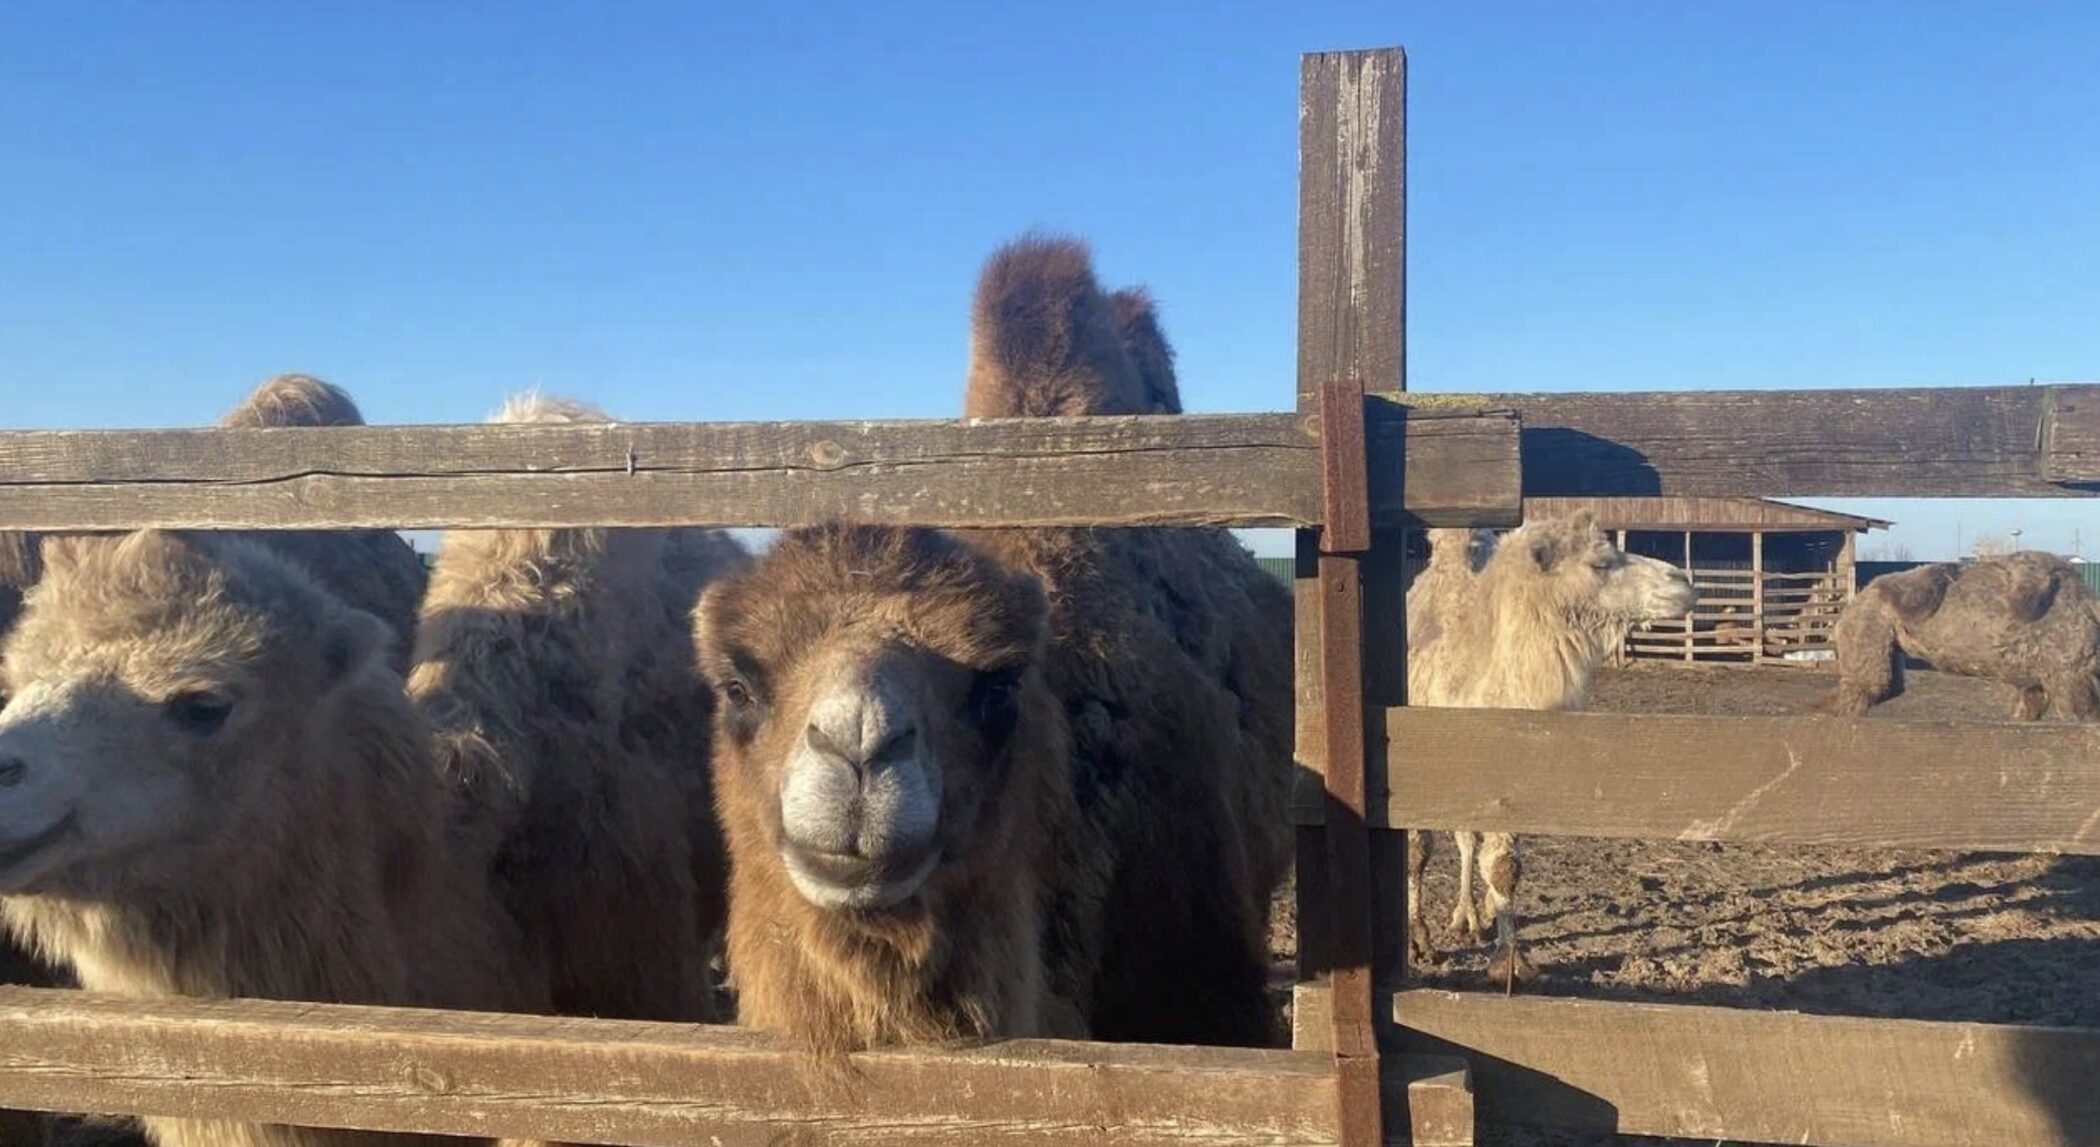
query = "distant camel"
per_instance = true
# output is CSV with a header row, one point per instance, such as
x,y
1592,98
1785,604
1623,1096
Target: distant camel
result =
x,y
1526,632
2026,619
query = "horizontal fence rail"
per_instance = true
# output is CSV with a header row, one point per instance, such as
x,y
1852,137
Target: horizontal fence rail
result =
x,y
1182,470
1796,780
654,1085
1708,1074
1438,460
2011,441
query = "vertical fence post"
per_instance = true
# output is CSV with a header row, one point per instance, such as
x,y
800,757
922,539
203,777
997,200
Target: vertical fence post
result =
x,y
1351,285
1757,595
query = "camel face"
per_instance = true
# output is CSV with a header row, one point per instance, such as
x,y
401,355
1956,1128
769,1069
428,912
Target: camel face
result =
x,y
870,684
1589,578
138,734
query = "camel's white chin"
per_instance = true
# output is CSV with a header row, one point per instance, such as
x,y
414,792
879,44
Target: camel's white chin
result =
x,y
865,896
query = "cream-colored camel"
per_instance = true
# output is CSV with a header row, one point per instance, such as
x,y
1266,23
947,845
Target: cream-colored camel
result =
x,y
212,784
1526,632
556,670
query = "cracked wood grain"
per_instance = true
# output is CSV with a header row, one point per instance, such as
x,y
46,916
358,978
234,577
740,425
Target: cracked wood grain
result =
x,y
1241,470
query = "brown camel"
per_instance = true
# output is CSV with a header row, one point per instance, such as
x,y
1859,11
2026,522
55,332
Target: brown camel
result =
x,y
2026,619
1010,782
1528,631
555,668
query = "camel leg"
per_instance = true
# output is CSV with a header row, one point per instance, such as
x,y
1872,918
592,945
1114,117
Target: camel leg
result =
x,y
1465,915
1870,661
1501,865
1419,947
2070,698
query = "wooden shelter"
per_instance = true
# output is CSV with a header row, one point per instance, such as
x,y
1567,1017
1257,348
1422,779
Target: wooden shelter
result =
x,y
1772,576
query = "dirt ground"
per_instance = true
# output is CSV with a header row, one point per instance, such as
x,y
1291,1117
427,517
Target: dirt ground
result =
x,y
1853,931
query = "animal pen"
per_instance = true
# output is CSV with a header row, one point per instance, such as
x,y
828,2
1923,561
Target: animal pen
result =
x,y
1354,466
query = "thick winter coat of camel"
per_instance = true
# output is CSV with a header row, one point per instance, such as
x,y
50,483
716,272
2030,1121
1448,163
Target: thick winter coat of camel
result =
x,y
374,570
215,786
2026,619
555,668
1007,782
1551,602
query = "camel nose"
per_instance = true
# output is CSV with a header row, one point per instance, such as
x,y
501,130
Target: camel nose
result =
x,y
12,770
863,746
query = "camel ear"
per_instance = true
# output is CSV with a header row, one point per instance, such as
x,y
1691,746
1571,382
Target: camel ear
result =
x,y
708,618
353,640
1544,550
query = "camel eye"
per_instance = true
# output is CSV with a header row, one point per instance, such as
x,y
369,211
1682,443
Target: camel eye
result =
x,y
995,701
199,712
736,693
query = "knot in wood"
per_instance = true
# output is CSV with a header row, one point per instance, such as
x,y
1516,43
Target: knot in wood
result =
x,y
429,1080
828,455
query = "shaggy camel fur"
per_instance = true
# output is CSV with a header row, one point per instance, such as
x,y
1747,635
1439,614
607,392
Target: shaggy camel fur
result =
x,y
555,668
215,786
375,570
2026,619
1008,782
1528,631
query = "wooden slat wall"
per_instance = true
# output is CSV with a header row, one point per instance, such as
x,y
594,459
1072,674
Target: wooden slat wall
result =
x,y
658,1085
1712,1074
1798,780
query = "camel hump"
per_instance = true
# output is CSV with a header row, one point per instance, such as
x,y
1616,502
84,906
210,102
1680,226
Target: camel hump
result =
x,y
1136,317
2033,582
294,400
1044,338
532,406
1915,595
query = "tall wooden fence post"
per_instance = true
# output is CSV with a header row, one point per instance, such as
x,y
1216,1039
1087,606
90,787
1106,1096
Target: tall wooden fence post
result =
x,y
1350,290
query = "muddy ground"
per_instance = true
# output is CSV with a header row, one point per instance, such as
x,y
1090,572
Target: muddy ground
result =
x,y
1853,931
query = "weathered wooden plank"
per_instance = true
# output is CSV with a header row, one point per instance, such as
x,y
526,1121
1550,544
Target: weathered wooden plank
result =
x,y
600,1081
1245,470
1351,324
1435,1105
1710,1074
1799,780
2007,441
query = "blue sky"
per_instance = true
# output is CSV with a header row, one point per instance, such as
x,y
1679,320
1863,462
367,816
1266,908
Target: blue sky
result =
x,y
709,212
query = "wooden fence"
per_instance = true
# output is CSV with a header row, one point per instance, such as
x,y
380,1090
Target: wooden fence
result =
x,y
1350,471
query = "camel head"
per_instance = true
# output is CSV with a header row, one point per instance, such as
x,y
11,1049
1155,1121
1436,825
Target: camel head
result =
x,y
148,684
1573,570
878,696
